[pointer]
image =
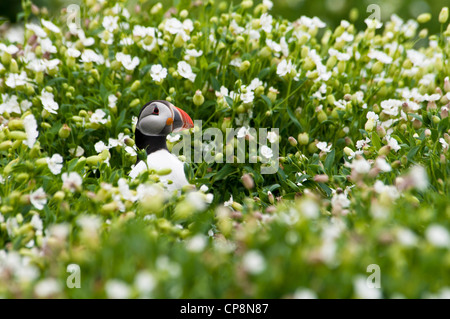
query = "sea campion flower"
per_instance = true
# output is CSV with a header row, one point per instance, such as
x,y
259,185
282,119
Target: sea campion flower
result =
x,y
285,67
185,70
30,125
47,99
72,181
158,73
55,163
38,198
128,63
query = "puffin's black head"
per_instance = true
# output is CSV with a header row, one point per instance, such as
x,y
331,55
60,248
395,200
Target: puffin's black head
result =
x,y
156,120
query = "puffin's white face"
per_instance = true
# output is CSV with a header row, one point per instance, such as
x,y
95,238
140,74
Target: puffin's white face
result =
x,y
160,118
156,119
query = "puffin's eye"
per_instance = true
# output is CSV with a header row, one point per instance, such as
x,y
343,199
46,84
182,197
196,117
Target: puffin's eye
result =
x,y
156,110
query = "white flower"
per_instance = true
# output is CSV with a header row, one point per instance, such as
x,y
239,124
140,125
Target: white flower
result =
x,y
185,70
406,237
361,143
110,23
272,137
360,166
372,116
309,208
98,117
30,125
117,289
71,181
14,80
77,152
47,99
383,165
229,202
36,222
158,73
303,293
47,287
173,26
266,22
284,67
340,56
253,262
380,56
112,99
438,235
419,177
100,147
340,200
391,191
268,4
11,49
36,29
247,97
38,198
120,141
173,138
49,25
47,46
373,23
127,62
144,282
90,56
444,144
323,147
10,104
196,244
362,289
266,151
392,142
55,163
194,53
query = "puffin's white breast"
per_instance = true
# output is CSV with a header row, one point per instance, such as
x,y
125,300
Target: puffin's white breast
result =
x,y
160,160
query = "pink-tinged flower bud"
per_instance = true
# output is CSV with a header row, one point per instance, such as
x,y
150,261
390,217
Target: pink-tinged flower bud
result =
x,y
447,84
292,141
322,178
64,131
417,124
381,131
384,150
427,132
270,197
444,111
248,182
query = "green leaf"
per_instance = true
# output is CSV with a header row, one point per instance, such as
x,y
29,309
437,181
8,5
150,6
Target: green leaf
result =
x,y
329,162
294,119
412,152
224,172
376,141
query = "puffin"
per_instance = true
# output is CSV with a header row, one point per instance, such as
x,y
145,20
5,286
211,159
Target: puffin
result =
x,y
156,120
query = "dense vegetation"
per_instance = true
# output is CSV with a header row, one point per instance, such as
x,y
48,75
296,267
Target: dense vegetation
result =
x,y
363,165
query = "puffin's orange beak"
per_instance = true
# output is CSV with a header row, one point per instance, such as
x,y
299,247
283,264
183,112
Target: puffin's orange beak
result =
x,y
182,120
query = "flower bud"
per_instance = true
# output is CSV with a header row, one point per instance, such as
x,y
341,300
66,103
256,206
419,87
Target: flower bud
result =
x,y
377,67
135,103
93,160
198,98
292,141
270,197
322,116
64,131
384,150
272,94
164,171
5,145
156,8
135,86
13,67
424,18
15,124
303,138
244,66
18,135
321,178
248,182
443,15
